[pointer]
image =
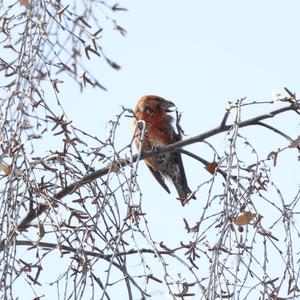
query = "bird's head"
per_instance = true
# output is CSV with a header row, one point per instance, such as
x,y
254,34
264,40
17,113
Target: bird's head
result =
x,y
152,105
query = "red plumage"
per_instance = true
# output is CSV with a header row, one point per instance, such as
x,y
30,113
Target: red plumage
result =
x,y
159,131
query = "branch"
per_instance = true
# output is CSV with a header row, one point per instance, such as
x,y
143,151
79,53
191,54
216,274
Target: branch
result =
x,y
275,130
203,161
40,209
107,257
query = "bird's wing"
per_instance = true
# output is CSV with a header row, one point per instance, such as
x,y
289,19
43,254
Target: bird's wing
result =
x,y
178,173
159,178
177,160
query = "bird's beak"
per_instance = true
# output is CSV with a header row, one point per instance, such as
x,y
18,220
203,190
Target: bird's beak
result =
x,y
168,104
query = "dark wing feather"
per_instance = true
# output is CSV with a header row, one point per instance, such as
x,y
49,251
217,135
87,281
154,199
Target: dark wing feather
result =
x,y
177,158
159,178
178,176
178,173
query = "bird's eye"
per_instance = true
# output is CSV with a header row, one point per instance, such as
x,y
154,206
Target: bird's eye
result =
x,y
148,110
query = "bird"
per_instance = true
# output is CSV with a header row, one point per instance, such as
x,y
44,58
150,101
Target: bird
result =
x,y
159,131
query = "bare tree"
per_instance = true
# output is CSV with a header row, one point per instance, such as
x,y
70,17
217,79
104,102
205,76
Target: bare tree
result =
x,y
64,211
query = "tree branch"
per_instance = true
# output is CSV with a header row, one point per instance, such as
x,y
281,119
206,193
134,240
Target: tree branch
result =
x,y
275,130
40,209
106,257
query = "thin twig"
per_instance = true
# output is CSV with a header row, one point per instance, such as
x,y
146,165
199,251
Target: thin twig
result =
x,y
275,130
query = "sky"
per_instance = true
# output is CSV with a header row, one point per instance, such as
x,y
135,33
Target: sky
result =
x,y
200,55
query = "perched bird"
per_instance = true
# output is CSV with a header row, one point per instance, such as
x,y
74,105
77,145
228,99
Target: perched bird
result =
x,y
158,131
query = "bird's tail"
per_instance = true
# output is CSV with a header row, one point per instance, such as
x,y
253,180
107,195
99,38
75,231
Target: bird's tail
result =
x,y
174,170
184,191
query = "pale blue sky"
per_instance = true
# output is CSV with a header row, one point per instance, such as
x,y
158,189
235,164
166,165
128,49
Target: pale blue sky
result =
x,y
199,54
